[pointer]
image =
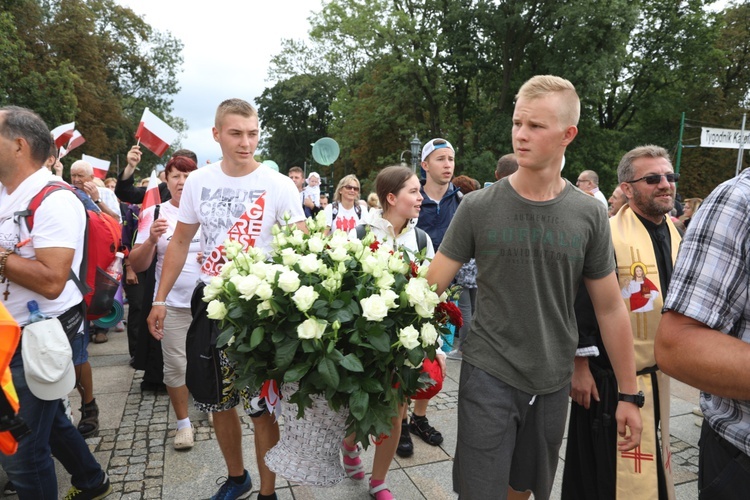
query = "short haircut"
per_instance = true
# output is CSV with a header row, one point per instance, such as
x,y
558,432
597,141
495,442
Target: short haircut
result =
x,y
544,85
187,153
234,107
343,182
391,180
592,176
83,165
180,163
22,122
110,179
297,170
625,170
52,149
506,165
465,183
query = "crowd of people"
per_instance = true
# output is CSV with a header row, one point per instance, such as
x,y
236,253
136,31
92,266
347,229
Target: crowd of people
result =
x,y
565,296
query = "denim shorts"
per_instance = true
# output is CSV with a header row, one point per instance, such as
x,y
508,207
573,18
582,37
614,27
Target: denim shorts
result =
x,y
80,344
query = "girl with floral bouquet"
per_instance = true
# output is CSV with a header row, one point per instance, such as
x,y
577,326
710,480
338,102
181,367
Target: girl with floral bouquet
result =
x,y
397,188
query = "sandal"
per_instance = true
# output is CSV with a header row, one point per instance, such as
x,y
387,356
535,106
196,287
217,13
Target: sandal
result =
x,y
405,447
381,492
100,338
89,424
352,463
422,428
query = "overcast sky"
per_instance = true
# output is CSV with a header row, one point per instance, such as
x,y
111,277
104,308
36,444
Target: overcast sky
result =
x,y
228,45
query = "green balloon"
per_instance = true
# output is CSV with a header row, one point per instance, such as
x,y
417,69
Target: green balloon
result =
x,y
271,164
325,151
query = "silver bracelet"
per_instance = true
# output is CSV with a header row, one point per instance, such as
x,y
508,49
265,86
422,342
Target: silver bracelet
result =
x,y
157,303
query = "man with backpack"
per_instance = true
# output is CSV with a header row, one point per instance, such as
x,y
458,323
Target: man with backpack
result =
x,y
36,264
440,202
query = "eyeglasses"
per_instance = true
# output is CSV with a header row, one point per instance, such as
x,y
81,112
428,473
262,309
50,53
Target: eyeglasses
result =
x,y
351,188
656,178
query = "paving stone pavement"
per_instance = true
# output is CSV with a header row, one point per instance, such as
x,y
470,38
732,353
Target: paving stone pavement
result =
x,y
134,443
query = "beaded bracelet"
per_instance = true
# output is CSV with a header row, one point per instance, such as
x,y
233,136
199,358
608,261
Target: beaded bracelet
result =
x,y
158,303
3,259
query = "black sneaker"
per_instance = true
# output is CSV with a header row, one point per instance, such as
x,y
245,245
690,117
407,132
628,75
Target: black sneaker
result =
x,y
100,491
9,489
422,428
405,446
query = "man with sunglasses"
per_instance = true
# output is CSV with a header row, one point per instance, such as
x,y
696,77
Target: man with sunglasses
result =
x,y
588,181
646,244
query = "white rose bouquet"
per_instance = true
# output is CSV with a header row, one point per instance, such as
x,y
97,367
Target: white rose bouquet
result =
x,y
345,319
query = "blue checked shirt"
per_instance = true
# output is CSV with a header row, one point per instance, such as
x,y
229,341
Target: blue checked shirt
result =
x,y
710,285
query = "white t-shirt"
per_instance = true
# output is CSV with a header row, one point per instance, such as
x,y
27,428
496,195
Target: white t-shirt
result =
x,y
59,222
243,209
183,288
346,219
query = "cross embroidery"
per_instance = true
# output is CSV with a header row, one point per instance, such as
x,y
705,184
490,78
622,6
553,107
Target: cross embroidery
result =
x,y
638,457
668,465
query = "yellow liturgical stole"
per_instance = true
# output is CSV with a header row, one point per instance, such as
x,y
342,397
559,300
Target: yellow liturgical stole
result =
x,y
640,287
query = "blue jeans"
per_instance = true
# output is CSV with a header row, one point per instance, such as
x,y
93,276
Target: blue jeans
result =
x,y
31,468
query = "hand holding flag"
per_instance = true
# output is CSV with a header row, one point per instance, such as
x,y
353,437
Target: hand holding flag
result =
x,y
154,133
151,198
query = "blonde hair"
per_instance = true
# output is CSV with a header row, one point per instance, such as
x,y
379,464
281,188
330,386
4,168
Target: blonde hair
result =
x,y
234,107
343,182
543,85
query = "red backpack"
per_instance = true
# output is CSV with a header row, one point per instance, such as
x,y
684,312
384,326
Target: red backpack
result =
x,y
103,238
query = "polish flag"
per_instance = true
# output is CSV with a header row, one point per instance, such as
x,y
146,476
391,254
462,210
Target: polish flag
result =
x,y
154,133
63,133
150,199
75,141
101,167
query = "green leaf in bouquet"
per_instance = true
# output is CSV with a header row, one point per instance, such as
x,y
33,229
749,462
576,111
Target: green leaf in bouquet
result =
x,y
285,353
278,335
328,372
371,385
257,336
358,403
352,363
235,311
296,372
343,315
309,346
415,356
225,335
380,340
337,304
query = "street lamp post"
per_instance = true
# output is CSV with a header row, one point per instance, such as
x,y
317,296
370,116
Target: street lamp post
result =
x,y
416,146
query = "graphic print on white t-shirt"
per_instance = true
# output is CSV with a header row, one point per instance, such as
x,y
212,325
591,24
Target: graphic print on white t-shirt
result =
x,y
245,230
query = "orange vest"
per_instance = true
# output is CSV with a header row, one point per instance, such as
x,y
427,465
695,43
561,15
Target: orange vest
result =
x,y
10,333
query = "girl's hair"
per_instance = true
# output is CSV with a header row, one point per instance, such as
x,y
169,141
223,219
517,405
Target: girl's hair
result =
x,y
465,183
391,180
373,201
344,182
181,163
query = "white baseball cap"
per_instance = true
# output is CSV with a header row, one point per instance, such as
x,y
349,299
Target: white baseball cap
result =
x,y
434,144
47,360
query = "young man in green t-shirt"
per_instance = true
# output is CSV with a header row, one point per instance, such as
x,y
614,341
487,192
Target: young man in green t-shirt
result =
x,y
534,237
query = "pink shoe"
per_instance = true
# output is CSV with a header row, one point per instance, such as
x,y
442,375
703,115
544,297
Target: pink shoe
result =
x,y
380,491
352,463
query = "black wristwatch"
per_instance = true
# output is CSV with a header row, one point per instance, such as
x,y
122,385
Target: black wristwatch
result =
x,y
637,399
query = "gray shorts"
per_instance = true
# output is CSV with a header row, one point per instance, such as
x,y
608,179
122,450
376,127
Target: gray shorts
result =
x,y
506,437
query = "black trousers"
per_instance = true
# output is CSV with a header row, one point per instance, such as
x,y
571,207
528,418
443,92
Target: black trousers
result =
x,y
723,470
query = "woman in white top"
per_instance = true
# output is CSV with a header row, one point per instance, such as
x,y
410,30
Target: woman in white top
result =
x,y
396,226
344,213
153,241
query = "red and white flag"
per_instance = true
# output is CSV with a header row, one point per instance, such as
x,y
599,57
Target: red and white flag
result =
x,y
75,141
155,134
63,133
150,199
101,167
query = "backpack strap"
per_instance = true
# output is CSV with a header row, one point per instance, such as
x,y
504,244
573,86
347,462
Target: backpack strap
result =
x,y
334,211
28,216
358,210
421,239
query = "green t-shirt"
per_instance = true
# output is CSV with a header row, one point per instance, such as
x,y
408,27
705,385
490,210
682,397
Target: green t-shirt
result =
x,y
531,257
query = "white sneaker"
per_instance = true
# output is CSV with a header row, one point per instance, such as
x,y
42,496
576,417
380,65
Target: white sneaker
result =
x,y
455,354
184,439
210,419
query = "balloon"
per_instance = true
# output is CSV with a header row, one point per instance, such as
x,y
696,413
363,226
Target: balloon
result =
x,y
325,151
271,164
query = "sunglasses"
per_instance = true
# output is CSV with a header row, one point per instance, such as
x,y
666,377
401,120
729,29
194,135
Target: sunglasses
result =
x,y
656,178
351,188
